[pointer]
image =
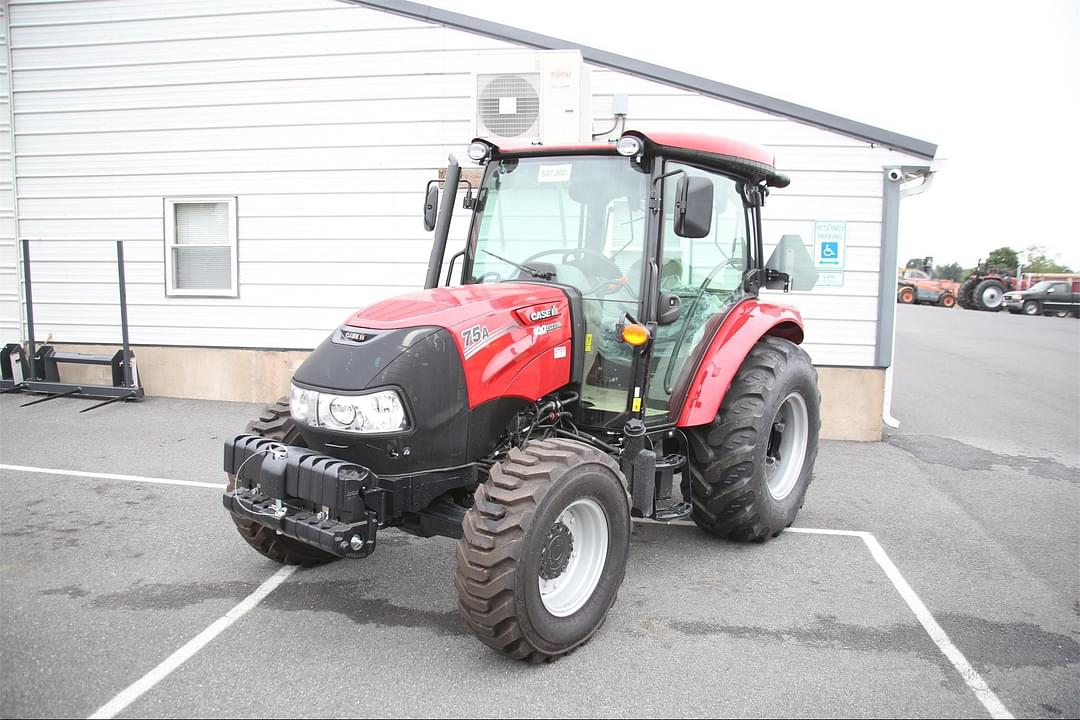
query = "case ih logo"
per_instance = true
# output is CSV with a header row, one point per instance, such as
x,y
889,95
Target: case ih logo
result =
x,y
544,314
348,336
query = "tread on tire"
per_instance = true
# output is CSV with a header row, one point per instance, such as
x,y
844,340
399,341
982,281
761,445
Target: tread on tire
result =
x,y
729,488
498,555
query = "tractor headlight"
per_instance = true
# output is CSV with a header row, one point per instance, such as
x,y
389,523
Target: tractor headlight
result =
x,y
478,151
377,412
628,146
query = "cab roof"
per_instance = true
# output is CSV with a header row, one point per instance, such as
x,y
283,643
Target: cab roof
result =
x,y
741,158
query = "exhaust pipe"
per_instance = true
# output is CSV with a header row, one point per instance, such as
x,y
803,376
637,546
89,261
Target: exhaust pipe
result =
x,y
442,225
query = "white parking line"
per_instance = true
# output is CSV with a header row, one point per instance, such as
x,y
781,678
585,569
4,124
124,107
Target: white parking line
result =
x,y
971,676
111,476
178,658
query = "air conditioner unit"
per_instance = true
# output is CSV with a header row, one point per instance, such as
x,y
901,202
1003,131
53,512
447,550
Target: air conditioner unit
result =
x,y
532,97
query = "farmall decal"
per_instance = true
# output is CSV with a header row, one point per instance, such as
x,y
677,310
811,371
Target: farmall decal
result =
x,y
545,329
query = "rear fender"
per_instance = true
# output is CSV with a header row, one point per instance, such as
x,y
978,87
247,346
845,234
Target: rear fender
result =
x,y
748,322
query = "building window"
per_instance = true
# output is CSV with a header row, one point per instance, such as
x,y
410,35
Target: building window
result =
x,y
200,247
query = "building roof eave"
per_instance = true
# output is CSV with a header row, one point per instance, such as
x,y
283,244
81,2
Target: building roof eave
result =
x,y
667,76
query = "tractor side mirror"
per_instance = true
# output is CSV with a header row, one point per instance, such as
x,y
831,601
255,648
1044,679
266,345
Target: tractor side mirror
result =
x,y
670,308
693,207
431,205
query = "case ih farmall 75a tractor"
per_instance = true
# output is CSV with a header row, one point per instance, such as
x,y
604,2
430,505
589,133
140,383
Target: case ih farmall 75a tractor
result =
x,y
604,356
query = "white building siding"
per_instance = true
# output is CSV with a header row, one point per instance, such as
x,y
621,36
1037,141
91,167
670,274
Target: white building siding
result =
x,y
9,262
325,121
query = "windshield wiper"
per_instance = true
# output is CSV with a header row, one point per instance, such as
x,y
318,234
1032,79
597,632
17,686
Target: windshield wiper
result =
x,y
524,268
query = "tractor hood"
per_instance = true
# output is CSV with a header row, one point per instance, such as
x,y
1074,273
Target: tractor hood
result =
x,y
449,307
463,360
460,321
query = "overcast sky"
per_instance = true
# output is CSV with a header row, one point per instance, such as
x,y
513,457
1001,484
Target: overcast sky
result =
x,y
995,84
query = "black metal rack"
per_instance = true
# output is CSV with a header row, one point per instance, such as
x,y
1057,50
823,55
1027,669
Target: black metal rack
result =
x,y
36,369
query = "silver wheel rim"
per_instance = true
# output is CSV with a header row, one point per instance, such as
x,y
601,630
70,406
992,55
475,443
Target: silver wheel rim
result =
x,y
587,525
991,296
1031,308
786,452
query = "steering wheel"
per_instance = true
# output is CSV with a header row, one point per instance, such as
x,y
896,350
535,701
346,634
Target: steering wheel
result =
x,y
613,276
609,265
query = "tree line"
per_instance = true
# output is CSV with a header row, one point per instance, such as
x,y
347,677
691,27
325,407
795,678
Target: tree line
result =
x,y
1033,259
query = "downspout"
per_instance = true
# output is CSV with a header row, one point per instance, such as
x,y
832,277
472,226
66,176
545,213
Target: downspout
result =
x,y
886,328
894,179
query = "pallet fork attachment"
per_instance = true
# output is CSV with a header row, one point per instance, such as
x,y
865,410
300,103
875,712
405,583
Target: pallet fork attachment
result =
x,y
36,369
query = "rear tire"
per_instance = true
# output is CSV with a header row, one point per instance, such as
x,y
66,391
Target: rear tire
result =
x,y
906,296
734,493
989,295
947,300
276,423
522,536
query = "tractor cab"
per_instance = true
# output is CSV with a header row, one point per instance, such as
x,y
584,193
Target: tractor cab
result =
x,y
655,237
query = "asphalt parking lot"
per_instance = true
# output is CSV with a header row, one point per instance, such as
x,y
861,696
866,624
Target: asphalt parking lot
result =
x,y
974,499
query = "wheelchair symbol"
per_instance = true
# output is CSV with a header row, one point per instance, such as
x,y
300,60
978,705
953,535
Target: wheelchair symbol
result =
x,y
828,250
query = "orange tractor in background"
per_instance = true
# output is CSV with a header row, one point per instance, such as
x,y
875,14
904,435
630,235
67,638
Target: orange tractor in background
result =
x,y
915,285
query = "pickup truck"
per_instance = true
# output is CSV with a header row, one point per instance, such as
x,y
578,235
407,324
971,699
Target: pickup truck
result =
x,y
1047,297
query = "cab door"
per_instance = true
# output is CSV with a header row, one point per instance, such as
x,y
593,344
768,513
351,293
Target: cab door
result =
x,y
707,276
1057,298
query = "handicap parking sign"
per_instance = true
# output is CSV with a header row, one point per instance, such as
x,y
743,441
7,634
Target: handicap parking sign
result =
x,y
829,240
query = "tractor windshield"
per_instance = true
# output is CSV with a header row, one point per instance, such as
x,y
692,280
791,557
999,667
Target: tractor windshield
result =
x,y
577,220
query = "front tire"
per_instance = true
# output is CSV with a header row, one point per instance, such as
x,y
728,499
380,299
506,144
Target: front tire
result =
x,y
906,296
1032,308
947,300
276,423
544,549
751,467
965,295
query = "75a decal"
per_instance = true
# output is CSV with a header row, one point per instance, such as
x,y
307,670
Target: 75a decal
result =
x,y
479,337
475,334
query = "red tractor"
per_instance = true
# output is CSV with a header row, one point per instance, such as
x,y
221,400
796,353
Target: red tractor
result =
x,y
985,288
600,355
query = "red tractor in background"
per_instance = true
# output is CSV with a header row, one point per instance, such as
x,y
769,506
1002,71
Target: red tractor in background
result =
x,y
600,354
985,288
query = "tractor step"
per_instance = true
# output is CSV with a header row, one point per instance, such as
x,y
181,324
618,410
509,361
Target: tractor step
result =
x,y
678,511
666,467
671,461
